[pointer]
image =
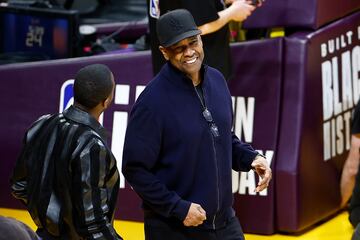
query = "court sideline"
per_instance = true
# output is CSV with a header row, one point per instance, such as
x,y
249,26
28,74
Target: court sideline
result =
x,y
337,228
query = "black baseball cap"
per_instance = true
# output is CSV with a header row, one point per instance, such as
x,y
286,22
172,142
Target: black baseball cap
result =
x,y
175,26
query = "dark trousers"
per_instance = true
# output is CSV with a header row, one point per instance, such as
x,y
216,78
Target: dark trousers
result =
x,y
232,231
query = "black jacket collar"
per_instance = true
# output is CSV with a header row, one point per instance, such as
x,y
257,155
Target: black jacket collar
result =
x,y
77,115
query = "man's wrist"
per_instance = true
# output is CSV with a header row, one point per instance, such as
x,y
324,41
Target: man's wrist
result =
x,y
181,209
256,157
259,155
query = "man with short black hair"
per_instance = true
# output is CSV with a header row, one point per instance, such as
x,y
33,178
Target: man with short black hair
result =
x,y
179,148
66,174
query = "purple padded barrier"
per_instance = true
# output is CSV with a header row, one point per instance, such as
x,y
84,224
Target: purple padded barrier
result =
x,y
321,86
30,90
257,77
310,14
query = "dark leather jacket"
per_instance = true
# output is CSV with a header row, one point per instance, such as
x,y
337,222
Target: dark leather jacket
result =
x,y
67,177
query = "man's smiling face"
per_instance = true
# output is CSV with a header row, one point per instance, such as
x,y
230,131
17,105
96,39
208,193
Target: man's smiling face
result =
x,y
186,55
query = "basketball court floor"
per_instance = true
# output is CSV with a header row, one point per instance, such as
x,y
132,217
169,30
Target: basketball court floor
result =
x,y
335,228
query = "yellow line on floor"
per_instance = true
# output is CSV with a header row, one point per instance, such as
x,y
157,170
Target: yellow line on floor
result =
x,y
128,230
337,228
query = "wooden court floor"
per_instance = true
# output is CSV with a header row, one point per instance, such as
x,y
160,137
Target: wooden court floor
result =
x,y
336,228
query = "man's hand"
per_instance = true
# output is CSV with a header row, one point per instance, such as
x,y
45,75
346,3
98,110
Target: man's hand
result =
x,y
228,2
255,3
240,10
196,215
262,168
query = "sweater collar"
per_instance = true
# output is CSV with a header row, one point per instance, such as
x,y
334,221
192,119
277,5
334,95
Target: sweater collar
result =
x,y
177,77
77,115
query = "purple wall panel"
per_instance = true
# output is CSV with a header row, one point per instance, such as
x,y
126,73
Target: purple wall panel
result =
x,y
321,82
310,14
259,76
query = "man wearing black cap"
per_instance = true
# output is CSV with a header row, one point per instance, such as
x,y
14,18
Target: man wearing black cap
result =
x,y
179,148
212,18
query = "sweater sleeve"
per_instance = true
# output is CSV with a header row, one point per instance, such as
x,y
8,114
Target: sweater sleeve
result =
x,y
242,154
141,152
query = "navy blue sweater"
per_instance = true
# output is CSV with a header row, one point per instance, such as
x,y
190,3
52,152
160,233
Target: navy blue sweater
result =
x,y
171,157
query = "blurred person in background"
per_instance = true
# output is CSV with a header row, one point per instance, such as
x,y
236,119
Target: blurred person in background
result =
x,y
354,209
12,229
350,177
351,164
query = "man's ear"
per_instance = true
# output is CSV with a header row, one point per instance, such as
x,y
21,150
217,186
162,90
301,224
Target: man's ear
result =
x,y
107,102
164,52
